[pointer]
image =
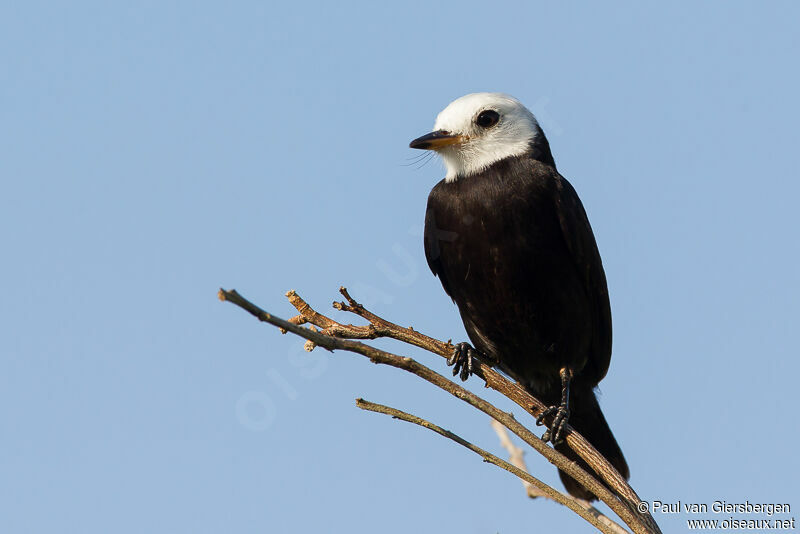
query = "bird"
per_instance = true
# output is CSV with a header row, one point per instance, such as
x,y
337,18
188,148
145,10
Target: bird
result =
x,y
511,244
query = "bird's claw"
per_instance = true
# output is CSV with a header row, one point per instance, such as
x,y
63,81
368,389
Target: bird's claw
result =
x,y
555,433
464,359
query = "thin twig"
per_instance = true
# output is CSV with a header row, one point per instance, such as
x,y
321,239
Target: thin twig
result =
x,y
516,456
517,459
637,522
573,504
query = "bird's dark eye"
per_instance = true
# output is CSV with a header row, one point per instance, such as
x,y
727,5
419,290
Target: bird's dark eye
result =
x,y
487,119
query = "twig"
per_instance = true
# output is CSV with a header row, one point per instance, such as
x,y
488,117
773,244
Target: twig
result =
x,y
516,456
573,504
637,522
517,459
380,327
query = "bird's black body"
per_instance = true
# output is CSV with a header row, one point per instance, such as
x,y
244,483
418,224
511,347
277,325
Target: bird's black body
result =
x,y
514,249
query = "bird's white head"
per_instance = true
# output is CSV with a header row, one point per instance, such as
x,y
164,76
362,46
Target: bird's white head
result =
x,y
479,129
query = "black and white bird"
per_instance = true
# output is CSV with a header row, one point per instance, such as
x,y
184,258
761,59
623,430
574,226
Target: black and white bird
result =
x,y
511,244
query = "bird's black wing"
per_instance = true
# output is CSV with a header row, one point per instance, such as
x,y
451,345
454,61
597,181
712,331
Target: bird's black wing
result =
x,y
433,235
581,243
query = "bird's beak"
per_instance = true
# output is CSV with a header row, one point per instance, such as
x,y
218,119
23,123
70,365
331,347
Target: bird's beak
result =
x,y
437,139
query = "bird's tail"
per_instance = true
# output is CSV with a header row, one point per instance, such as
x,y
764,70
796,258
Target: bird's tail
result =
x,y
587,418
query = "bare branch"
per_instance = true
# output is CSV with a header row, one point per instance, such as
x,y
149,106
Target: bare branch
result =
x,y
640,523
380,327
577,506
516,458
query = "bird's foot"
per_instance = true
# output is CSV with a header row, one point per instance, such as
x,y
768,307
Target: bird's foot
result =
x,y
556,430
464,360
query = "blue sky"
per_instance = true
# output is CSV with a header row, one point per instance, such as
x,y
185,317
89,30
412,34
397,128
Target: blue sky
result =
x,y
152,152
